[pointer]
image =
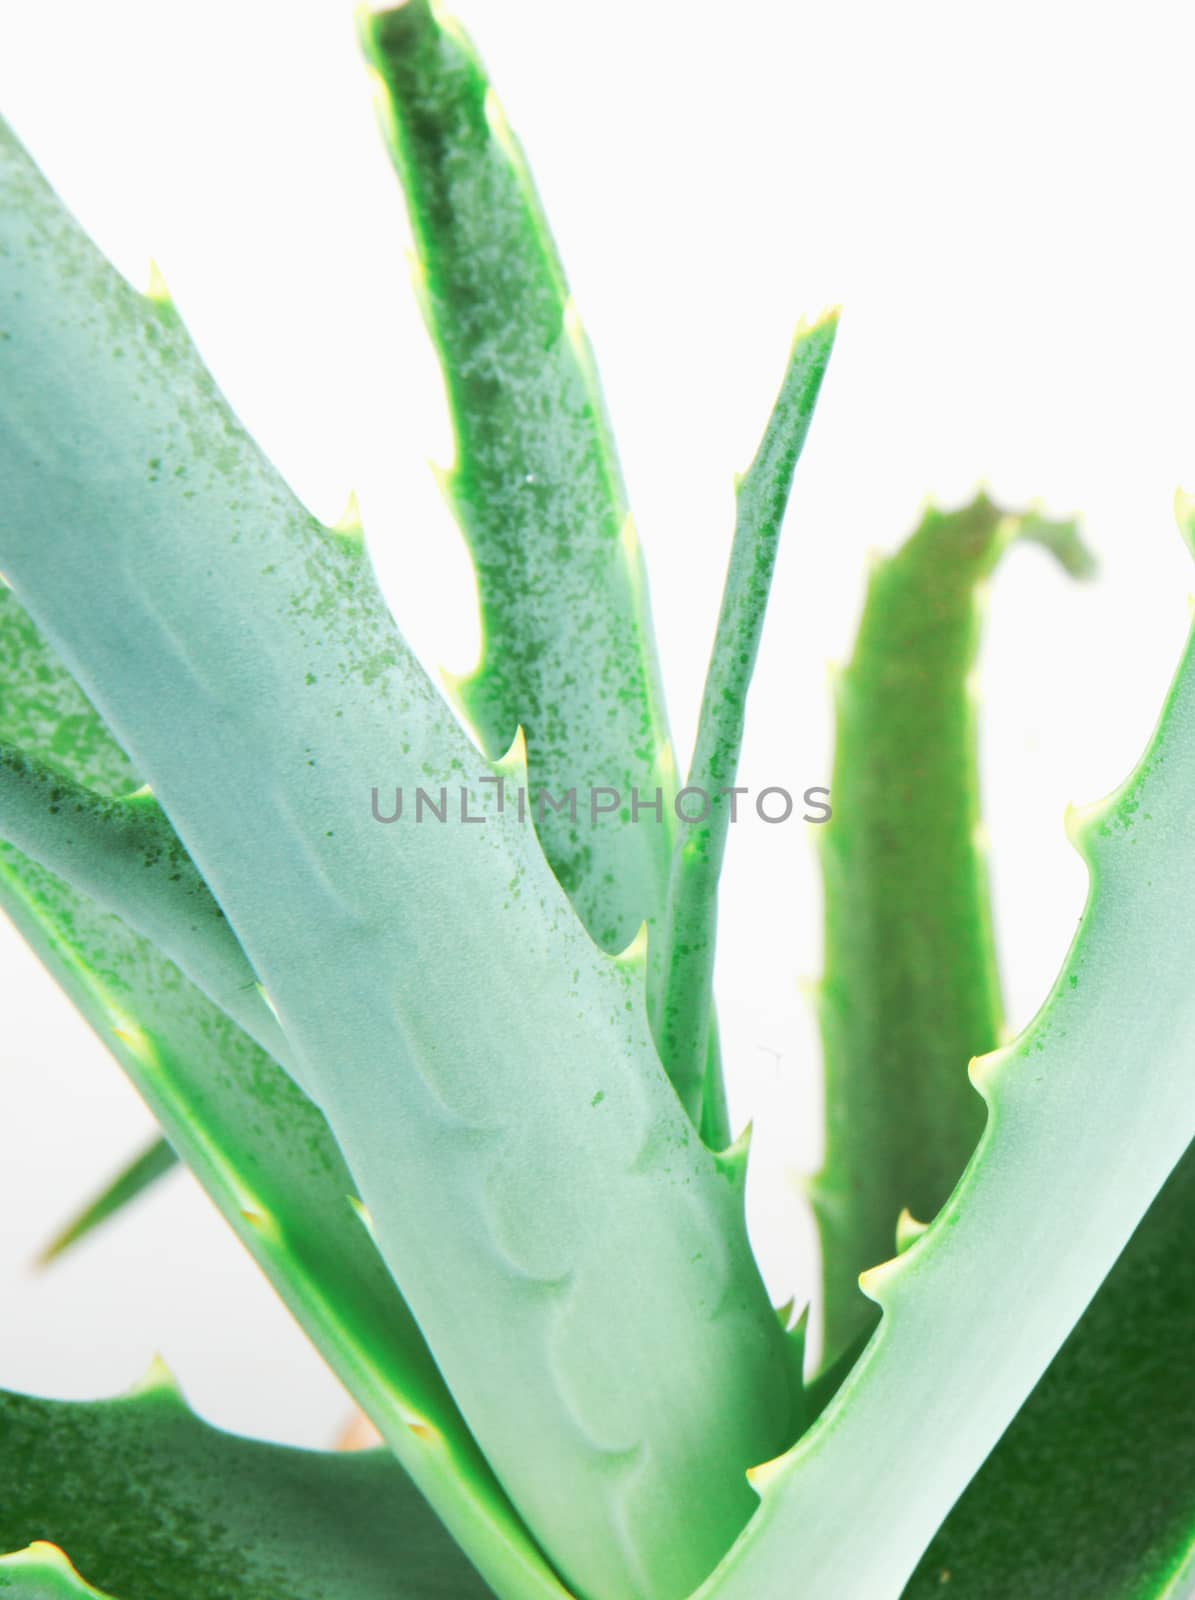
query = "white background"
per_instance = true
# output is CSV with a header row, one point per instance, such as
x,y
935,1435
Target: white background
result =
x,y
1000,197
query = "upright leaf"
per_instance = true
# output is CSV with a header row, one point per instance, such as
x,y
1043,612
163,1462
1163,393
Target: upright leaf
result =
x,y
452,1018
682,985
568,649
265,1156
1092,1490
1089,1110
261,1149
910,990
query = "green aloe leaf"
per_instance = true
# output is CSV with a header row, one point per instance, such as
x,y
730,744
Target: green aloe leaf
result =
x,y
261,1149
1089,1110
453,1019
44,711
911,990
151,1503
122,853
1092,1490
265,1156
132,1181
538,493
568,650
682,1000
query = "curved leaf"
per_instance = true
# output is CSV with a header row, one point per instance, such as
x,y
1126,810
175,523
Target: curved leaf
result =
x,y
1089,1110
537,491
258,1145
568,649
453,1019
681,995
1092,1490
910,991
153,1504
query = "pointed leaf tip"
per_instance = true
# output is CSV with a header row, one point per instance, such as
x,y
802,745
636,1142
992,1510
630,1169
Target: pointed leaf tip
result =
x,y
42,1552
982,1069
761,1476
908,1231
146,1168
156,289
732,1162
158,1379
363,1213
514,763
628,538
261,1222
1079,822
444,479
875,1280
349,521
1062,537
500,131
634,957
827,318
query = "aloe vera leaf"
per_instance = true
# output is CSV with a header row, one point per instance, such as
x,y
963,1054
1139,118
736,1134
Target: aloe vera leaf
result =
x,y
122,853
911,989
43,710
683,995
265,1156
1089,1110
568,649
154,1504
1092,1489
714,1127
536,488
259,1146
458,1026
133,1179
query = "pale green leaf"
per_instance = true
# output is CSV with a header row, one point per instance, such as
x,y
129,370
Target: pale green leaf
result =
x,y
454,1021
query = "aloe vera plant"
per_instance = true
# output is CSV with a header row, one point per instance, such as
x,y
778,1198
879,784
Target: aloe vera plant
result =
x,y
431,1018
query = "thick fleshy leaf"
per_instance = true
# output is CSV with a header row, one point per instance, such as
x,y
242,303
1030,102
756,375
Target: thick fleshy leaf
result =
x,y
151,1503
538,492
451,1016
910,991
265,1156
1089,1110
681,985
568,650
261,1149
1091,1492
123,854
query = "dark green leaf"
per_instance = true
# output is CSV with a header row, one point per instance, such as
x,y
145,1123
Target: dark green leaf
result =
x,y
150,1503
910,991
